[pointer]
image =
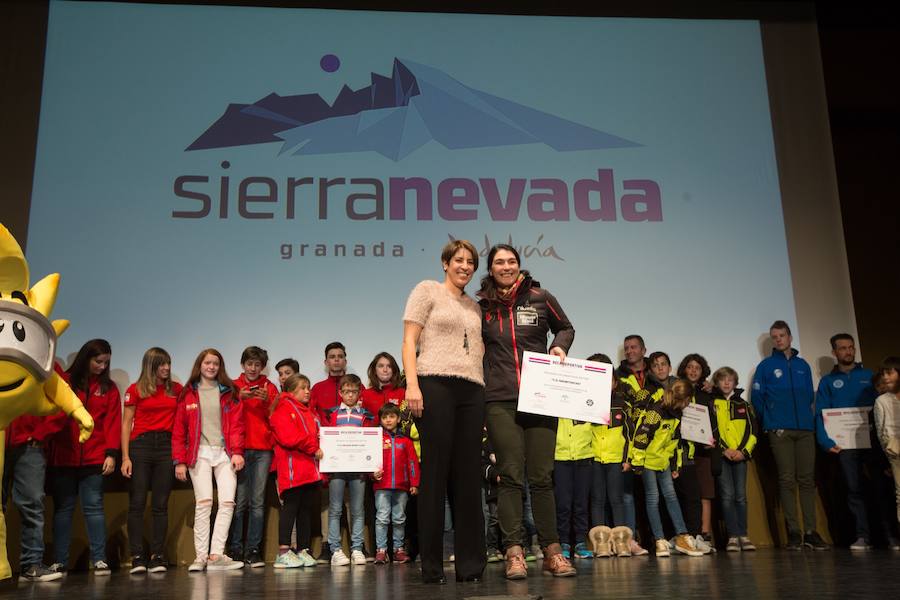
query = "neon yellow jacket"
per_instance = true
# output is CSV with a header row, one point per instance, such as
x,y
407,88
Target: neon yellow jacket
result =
x,y
639,398
656,440
737,422
573,440
610,443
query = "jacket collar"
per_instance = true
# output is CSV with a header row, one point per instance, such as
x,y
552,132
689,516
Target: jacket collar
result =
x,y
777,352
837,371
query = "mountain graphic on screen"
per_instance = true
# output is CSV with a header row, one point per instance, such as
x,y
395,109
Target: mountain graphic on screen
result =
x,y
396,115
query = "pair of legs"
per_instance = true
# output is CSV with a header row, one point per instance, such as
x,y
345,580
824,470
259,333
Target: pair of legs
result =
x,y
298,506
151,469
250,498
608,483
687,487
732,484
212,463
69,484
654,483
795,459
23,480
390,510
852,467
572,487
337,486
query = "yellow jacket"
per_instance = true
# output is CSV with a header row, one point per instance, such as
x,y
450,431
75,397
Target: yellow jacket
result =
x,y
573,440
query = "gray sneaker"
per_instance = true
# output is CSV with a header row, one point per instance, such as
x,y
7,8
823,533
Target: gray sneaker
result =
x,y
224,563
100,568
860,544
40,573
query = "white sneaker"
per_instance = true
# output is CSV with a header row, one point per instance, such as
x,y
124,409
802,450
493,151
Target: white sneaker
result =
x,y
224,563
860,544
198,566
702,545
339,559
288,560
358,558
306,559
100,568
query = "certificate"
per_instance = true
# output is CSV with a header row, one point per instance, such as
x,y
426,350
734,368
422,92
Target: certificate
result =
x,y
848,427
696,426
575,389
350,449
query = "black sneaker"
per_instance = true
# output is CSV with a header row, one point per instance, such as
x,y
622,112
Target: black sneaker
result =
x,y
138,565
40,573
255,560
814,541
324,556
794,541
157,564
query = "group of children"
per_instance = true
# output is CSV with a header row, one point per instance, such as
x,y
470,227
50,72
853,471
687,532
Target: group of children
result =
x,y
235,432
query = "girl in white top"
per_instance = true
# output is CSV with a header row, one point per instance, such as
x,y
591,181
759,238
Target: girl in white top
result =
x,y
887,422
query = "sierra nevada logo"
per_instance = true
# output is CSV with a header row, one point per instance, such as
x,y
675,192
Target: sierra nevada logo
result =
x,y
396,115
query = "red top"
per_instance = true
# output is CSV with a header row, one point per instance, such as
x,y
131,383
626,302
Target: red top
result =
x,y
400,463
257,435
29,428
372,399
154,413
296,432
188,425
106,410
325,395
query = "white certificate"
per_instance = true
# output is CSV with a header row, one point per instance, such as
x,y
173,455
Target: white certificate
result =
x,y
848,427
574,389
350,449
696,426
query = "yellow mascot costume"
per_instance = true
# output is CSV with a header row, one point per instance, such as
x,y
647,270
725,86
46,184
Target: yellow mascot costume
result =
x,y
28,382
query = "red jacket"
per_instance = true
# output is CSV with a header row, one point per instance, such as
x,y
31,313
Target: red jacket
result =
x,y
296,431
187,428
256,413
400,463
325,395
106,440
29,428
372,399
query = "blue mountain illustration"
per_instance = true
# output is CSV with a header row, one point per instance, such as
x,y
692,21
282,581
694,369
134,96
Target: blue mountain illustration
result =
x,y
396,115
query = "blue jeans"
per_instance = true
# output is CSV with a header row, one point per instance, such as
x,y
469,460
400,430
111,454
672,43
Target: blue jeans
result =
x,y
852,462
608,481
654,481
733,493
68,484
628,500
24,477
251,490
336,508
390,509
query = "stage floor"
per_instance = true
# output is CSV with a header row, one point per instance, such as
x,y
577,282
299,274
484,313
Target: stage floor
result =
x,y
763,574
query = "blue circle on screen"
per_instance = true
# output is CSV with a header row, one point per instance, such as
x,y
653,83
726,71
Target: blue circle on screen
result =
x,y
330,63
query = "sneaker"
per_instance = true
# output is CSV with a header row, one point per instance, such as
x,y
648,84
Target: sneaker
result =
x,y
662,549
60,568
381,556
581,551
358,558
686,544
157,564
746,544
794,541
40,573
860,544
100,568
324,556
339,559
255,560
224,563
702,545
494,555
451,558
814,541
537,552
401,557
198,566
289,560
516,567
138,565
894,543
528,554
556,564
306,558
733,545
566,550
637,549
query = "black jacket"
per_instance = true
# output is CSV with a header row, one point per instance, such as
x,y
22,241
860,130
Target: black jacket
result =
x,y
511,328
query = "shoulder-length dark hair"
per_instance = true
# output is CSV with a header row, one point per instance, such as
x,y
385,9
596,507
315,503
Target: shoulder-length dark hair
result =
x,y
704,366
80,370
222,377
395,371
488,289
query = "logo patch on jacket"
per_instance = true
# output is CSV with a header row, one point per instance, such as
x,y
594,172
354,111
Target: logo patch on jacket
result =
x,y
838,384
526,316
387,444
778,373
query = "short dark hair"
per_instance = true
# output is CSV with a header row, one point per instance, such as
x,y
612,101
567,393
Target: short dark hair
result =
x,y
389,409
779,324
600,358
704,366
288,362
351,380
891,362
840,336
255,353
659,354
635,336
453,246
334,345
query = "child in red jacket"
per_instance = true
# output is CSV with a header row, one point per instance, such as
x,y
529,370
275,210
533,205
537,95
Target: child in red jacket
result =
x,y
208,441
384,384
297,455
398,477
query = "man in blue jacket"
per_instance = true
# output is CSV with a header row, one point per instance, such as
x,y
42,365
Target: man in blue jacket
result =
x,y
849,385
783,399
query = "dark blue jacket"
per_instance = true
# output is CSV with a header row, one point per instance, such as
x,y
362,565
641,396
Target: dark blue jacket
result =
x,y
842,390
783,394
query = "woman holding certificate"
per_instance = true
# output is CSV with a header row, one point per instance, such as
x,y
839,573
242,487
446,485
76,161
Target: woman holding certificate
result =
x,y
517,315
445,394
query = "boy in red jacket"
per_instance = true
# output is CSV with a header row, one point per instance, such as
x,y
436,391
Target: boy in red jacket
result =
x,y
297,455
258,396
398,477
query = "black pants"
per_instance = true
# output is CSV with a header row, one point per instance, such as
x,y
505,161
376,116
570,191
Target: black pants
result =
x,y
687,486
572,485
151,469
450,433
298,506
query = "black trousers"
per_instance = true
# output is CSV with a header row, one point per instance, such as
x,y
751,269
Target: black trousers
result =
x,y
151,469
298,505
450,431
687,486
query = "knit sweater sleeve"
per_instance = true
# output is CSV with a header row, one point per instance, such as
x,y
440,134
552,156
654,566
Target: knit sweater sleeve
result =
x,y
419,303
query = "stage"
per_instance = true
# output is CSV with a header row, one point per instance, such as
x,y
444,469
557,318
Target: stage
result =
x,y
763,574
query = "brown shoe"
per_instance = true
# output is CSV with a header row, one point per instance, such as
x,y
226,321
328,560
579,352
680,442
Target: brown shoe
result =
x,y
600,537
621,540
515,563
555,563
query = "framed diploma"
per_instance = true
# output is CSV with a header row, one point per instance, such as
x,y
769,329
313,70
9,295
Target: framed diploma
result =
x,y
696,425
574,389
